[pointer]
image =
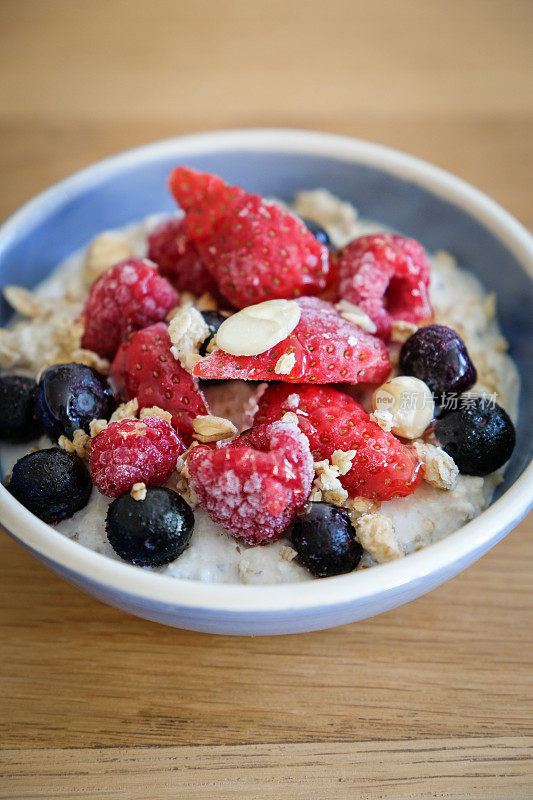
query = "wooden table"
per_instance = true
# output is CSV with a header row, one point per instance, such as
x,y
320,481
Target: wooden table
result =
x,y
429,700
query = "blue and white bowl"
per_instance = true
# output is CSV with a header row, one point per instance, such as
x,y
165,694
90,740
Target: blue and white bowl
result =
x,y
404,193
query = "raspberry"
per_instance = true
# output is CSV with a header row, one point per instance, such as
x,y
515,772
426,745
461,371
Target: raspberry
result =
x,y
131,451
256,250
177,257
129,296
326,349
382,467
387,277
145,368
254,485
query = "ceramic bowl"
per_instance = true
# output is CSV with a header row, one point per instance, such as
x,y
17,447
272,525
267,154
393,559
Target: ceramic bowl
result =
x,y
404,193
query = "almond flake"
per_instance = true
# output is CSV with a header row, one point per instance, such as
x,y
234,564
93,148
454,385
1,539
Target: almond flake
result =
x,y
356,315
440,469
125,411
24,301
212,429
138,491
401,330
96,426
287,553
255,329
375,533
155,411
105,250
285,364
187,330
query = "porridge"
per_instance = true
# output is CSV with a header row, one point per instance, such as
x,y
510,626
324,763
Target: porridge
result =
x,y
231,395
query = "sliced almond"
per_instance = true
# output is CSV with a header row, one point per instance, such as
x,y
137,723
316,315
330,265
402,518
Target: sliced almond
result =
x,y
256,329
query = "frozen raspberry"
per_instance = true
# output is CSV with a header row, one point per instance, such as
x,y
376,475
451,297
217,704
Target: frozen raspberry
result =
x,y
387,277
255,250
129,296
131,451
382,466
145,368
326,348
177,257
254,485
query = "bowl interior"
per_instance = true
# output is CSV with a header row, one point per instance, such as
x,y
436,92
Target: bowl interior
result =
x,y
123,190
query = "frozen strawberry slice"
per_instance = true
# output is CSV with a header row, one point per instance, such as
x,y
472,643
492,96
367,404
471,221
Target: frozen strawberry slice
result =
x,y
387,276
382,466
323,348
256,250
254,485
145,368
205,198
176,255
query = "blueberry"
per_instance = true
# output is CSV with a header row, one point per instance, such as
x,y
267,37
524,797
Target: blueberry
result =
x,y
213,320
17,405
52,484
479,436
324,539
317,231
438,356
69,396
150,532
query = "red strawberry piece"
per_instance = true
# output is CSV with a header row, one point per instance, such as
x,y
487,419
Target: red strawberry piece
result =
x,y
131,451
326,348
255,250
177,257
127,297
145,368
388,277
205,198
382,467
254,485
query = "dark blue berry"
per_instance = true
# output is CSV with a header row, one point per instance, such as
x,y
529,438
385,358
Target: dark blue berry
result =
x,y
17,406
438,356
52,484
479,436
213,320
150,532
69,396
324,538
318,231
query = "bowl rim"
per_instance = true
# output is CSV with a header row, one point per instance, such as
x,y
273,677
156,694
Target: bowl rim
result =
x,y
448,556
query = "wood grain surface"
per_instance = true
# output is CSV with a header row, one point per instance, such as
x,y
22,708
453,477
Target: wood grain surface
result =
x,y
432,700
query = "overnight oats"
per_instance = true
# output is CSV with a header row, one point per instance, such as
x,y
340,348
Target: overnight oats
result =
x,y
251,393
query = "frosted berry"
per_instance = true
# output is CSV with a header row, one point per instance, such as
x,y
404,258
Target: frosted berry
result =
x,y
387,276
479,436
52,484
133,451
129,296
324,538
438,356
178,259
255,250
69,396
150,532
17,403
254,485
